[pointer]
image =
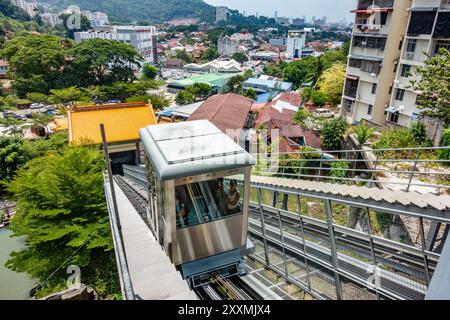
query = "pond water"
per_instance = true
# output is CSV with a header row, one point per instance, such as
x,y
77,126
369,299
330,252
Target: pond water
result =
x,y
13,285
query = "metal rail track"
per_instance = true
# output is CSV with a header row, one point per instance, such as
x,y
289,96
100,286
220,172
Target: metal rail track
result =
x,y
394,257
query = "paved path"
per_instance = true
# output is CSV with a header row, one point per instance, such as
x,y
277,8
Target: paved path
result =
x,y
153,276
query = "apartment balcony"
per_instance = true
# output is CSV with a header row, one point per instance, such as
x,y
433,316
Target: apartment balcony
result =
x,y
373,4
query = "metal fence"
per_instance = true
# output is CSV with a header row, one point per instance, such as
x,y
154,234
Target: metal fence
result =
x,y
336,251
418,169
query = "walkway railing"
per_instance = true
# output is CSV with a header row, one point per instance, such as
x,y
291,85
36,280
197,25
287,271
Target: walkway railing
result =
x,y
407,169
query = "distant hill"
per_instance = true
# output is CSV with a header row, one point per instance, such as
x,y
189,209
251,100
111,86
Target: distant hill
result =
x,y
154,11
13,12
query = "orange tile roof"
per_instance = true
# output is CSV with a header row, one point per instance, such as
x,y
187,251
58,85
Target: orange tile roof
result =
x,y
122,122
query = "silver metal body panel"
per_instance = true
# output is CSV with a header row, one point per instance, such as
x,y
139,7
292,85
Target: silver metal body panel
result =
x,y
208,239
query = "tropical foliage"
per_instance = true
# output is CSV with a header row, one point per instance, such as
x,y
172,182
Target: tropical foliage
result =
x,y
63,214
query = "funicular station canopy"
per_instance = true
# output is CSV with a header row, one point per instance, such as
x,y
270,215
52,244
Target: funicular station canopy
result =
x,y
196,208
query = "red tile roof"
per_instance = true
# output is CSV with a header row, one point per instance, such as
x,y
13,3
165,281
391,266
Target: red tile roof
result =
x,y
272,118
225,111
312,138
294,98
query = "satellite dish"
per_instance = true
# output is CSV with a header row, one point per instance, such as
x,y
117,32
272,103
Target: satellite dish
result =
x,y
401,108
373,74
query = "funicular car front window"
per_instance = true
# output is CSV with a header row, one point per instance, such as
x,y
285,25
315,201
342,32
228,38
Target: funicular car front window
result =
x,y
206,201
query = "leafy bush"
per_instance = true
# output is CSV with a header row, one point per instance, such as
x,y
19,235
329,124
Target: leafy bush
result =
x,y
319,98
363,132
301,116
333,133
445,154
149,72
419,131
396,138
339,169
184,97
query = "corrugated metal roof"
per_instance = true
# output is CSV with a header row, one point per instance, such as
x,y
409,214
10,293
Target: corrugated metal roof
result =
x,y
422,201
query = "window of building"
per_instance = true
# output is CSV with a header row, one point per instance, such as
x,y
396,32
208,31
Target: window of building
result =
x,y
421,22
442,28
393,117
371,66
441,44
395,67
399,94
370,110
400,45
374,88
347,105
390,89
411,45
355,63
406,68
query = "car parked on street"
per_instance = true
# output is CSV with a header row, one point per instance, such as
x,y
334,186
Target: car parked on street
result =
x,y
325,113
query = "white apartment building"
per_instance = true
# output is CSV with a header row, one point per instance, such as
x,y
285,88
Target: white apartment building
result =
x,y
142,38
52,19
221,14
26,6
97,19
428,30
390,40
296,41
377,38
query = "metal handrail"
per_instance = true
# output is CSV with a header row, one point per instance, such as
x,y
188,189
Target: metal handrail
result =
x,y
278,163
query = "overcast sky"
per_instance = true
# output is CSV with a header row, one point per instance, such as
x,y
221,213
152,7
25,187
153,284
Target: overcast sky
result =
x,y
334,10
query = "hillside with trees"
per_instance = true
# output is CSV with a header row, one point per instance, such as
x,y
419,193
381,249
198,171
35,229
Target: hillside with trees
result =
x,y
152,11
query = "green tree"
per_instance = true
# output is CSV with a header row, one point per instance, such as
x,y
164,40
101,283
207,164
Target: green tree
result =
x,y
250,93
434,86
301,117
149,72
158,101
301,71
36,62
70,27
240,57
200,90
234,84
12,157
183,55
445,153
363,132
419,131
63,214
100,61
331,82
209,54
67,95
121,91
37,97
184,97
333,133
319,98
306,94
